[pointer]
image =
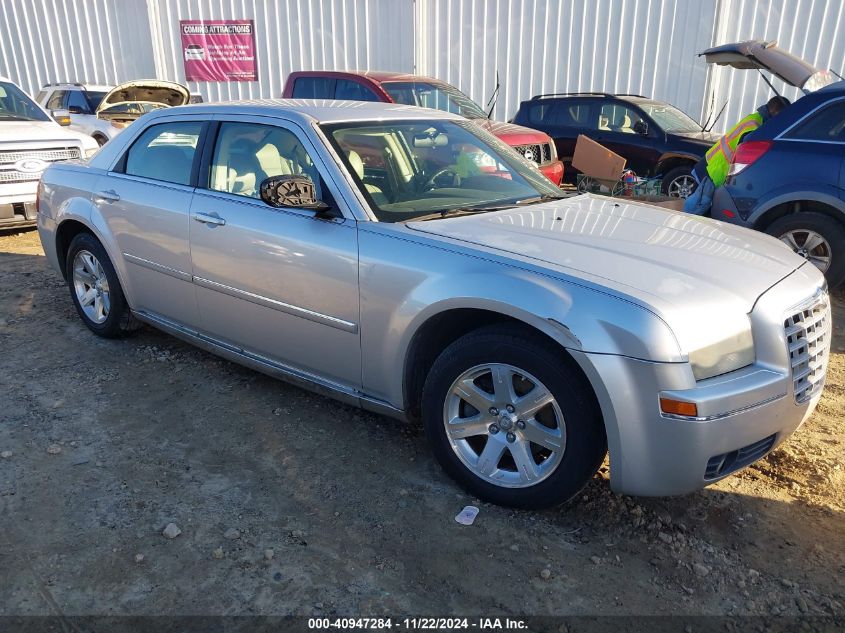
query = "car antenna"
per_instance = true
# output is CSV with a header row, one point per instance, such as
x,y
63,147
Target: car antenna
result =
x,y
837,74
718,116
493,97
710,111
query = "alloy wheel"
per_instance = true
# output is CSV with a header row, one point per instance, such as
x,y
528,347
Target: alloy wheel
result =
x,y
682,186
504,425
91,286
809,245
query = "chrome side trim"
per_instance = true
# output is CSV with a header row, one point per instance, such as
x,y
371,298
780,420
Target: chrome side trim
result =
x,y
718,416
317,317
299,378
166,270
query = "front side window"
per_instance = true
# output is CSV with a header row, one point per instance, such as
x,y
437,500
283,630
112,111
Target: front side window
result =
x,y
618,118
76,99
165,152
16,106
436,96
247,153
828,124
410,169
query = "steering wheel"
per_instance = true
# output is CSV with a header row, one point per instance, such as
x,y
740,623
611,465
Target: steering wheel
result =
x,y
431,183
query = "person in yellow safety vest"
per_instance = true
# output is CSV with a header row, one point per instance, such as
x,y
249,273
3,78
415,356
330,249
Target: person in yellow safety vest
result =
x,y
712,170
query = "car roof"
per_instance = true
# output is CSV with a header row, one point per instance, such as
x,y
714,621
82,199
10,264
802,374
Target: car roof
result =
x,y
307,111
75,84
561,96
376,75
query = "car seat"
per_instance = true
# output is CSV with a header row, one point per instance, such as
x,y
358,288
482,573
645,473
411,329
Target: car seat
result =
x,y
245,173
358,167
167,163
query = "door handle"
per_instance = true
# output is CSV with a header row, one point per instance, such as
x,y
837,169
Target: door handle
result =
x,y
209,218
109,195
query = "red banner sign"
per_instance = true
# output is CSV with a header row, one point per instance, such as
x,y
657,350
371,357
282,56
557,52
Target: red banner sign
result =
x,y
218,50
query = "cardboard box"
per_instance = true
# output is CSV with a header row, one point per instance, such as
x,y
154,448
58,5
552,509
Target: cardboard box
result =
x,y
666,202
594,159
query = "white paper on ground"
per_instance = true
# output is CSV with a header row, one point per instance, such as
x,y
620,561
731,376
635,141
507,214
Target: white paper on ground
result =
x,y
467,515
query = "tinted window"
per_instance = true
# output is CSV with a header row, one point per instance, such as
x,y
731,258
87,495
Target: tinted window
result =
x,y
55,102
353,91
313,88
165,152
438,96
828,124
95,99
16,106
76,99
561,114
618,118
246,154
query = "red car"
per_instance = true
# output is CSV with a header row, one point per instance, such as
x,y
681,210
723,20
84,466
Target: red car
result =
x,y
426,92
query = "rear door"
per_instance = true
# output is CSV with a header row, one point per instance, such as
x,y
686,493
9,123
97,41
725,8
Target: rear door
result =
x,y
145,201
281,284
563,120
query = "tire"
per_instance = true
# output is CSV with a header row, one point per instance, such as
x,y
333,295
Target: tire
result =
x,y
95,289
797,228
101,140
683,175
572,421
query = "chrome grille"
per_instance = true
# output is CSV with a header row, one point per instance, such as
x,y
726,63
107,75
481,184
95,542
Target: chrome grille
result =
x,y
807,332
8,160
49,155
540,153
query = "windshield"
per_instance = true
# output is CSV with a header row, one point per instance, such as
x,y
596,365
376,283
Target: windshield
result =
x,y
16,106
435,96
669,118
409,169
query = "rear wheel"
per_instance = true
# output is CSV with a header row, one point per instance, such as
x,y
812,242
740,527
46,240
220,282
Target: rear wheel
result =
x,y
816,237
679,182
510,421
95,288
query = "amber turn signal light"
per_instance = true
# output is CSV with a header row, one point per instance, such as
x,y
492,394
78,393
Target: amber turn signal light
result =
x,y
678,407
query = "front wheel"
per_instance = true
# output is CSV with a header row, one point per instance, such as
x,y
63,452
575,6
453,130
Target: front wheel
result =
x,y
95,288
816,237
510,420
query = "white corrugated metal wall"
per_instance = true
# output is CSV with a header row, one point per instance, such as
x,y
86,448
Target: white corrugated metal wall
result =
x,y
537,46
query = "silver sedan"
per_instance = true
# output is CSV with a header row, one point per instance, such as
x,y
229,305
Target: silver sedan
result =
x,y
403,260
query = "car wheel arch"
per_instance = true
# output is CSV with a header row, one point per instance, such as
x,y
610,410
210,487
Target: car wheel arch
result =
x,y
668,162
781,206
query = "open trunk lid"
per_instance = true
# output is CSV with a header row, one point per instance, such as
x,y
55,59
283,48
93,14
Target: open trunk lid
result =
x,y
762,55
130,100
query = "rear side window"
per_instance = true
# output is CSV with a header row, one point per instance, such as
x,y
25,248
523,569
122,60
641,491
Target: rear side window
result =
x,y
353,91
561,114
165,152
313,88
828,124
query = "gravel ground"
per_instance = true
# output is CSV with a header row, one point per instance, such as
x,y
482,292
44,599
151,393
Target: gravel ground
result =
x,y
283,502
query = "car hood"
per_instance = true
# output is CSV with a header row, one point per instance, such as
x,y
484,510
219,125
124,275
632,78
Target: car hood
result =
x,y
513,134
38,131
758,54
705,138
146,91
677,264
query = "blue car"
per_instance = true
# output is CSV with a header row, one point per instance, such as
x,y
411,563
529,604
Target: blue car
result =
x,y
787,178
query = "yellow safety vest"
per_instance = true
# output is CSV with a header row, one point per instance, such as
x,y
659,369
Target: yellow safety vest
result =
x,y
720,155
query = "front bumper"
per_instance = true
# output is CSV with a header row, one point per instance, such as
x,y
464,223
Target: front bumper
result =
x,y
554,172
743,414
18,208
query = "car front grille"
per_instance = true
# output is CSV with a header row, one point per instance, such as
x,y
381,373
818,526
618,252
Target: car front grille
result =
x,y
13,163
540,153
721,465
807,332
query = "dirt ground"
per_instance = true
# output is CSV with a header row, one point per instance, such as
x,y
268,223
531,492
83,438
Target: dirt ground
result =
x,y
104,443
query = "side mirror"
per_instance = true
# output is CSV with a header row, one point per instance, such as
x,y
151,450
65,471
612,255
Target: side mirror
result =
x,y
292,191
641,127
62,117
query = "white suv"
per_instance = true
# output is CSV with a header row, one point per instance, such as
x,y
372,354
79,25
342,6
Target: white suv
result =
x,y
81,101
30,140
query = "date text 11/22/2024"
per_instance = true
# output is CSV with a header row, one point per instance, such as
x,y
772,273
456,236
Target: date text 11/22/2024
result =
x,y
422,623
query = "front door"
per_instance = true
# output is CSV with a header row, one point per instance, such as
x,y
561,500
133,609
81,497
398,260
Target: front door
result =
x,y
277,283
145,201
622,130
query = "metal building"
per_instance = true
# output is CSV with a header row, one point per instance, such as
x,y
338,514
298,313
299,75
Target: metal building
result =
x,y
535,46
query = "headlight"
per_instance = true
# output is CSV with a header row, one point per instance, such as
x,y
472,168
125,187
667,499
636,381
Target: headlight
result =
x,y
90,152
732,352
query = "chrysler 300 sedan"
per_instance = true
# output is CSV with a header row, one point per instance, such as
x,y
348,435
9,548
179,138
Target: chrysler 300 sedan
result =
x,y
408,262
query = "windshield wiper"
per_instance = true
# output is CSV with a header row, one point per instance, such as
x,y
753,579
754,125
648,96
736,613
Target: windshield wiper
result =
x,y
447,213
546,197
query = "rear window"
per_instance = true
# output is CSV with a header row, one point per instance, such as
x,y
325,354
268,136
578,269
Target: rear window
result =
x,y
313,88
353,91
828,124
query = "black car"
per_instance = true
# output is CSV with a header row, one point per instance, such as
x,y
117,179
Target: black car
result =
x,y
655,138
